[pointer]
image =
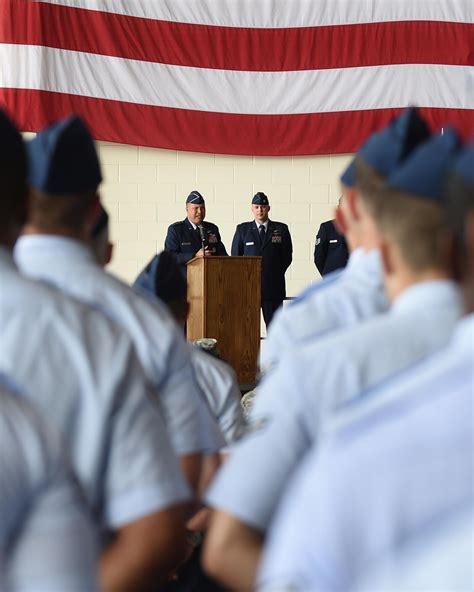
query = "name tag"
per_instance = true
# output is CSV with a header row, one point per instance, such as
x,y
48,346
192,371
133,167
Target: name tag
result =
x,y
334,240
185,244
249,244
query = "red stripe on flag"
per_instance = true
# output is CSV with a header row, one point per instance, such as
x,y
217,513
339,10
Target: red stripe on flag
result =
x,y
203,46
197,131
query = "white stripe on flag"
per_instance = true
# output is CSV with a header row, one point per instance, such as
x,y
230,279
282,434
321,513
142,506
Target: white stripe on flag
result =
x,y
265,93
282,13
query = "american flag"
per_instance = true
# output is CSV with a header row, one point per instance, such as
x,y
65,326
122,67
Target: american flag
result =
x,y
261,77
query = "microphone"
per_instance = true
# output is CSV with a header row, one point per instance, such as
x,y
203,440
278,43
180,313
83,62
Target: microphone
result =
x,y
203,235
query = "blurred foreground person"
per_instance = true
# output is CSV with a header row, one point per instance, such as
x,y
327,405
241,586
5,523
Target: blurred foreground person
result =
x,y
47,540
395,467
305,390
347,297
64,176
82,373
164,279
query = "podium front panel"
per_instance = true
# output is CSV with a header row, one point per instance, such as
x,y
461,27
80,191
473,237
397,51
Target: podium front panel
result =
x,y
224,298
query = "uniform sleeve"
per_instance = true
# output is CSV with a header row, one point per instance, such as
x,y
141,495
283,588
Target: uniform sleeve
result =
x,y
41,509
189,421
218,383
143,474
173,245
288,253
321,249
237,244
250,484
295,556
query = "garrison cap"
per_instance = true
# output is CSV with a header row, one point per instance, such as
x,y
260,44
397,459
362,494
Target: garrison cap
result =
x,y
384,150
260,199
464,164
424,173
101,222
195,198
63,159
163,278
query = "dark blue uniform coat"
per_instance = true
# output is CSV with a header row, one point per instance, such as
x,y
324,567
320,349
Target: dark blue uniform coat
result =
x,y
330,250
276,254
185,242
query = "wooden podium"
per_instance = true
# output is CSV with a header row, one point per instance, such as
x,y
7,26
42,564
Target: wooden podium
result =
x,y
224,299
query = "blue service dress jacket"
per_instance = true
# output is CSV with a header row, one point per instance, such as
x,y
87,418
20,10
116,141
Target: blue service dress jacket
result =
x,y
276,253
330,250
185,241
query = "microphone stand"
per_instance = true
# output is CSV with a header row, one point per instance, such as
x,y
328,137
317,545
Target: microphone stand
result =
x,y
202,233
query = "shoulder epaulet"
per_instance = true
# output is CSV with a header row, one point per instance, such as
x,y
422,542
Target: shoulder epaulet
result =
x,y
179,223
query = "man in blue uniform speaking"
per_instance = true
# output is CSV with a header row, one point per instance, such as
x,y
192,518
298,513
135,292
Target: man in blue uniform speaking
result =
x,y
193,237
272,241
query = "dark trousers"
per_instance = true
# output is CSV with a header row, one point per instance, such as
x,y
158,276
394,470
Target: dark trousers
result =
x,y
269,308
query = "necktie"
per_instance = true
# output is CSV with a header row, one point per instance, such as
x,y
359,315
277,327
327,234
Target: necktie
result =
x,y
261,232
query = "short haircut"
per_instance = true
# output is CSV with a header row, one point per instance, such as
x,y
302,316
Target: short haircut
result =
x,y
51,213
368,182
417,225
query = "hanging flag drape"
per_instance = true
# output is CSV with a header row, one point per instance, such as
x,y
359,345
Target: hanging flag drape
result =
x,y
266,77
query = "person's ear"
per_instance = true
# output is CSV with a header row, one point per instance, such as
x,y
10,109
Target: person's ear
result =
x,y
352,199
109,253
340,221
94,211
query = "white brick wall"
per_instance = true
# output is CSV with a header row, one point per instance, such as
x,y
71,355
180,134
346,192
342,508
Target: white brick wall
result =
x,y
145,191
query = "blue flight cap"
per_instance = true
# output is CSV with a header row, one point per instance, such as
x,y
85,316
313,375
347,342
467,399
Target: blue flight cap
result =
x,y
63,159
101,222
464,165
260,199
163,278
195,198
384,150
424,173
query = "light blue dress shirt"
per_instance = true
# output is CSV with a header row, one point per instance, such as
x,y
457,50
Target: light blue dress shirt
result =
x,y
219,385
297,399
380,479
82,372
439,557
47,540
338,302
163,352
